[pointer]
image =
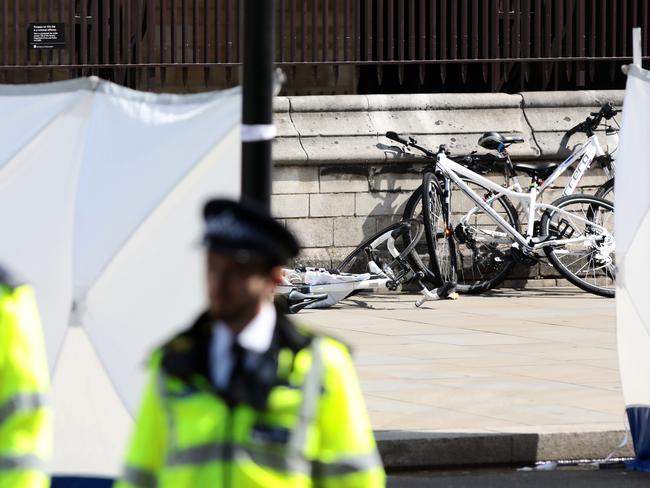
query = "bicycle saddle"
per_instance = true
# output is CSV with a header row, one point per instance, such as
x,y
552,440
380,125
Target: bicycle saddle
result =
x,y
539,169
495,141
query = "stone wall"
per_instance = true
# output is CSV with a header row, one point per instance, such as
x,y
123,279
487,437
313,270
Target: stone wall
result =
x,y
337,179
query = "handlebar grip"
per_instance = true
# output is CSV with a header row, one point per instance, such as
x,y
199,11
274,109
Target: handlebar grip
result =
x,y
393,136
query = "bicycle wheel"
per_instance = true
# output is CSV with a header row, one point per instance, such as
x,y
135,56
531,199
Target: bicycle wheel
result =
x,y
438,234
413,211
483,250
606,190
588,262
374,254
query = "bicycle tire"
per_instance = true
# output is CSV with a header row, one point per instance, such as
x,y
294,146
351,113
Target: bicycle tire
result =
x,y
598,253
480,264
606,190
426,253
437,231
347,264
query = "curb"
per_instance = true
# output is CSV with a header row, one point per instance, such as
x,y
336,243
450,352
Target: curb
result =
x,y
412,450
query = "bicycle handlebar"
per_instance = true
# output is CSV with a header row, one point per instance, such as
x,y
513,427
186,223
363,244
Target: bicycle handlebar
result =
x,y
590,123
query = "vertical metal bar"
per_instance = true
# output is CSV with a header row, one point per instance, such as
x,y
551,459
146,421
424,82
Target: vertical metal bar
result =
x,y
282,30
335,40
229,46
593,7
50,54
116,36
303,26
625,29
569,39
163,40
294,37
496,51
5,36
241,13
326,27
433,33
444,21
106,31
357,33
137,37
485,30
195,31
217,31
369,36
581,46
464,39
207,43
380,40
390,31
84,33
401,34
314,38
412,41
73,41
346,31
183,31
422,36
613,35
644,30
95,31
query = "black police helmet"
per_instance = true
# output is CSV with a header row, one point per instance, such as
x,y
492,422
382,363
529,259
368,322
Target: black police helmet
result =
x,y
247,232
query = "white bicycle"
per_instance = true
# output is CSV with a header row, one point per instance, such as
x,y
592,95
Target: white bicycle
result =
x,y
574,231
482,265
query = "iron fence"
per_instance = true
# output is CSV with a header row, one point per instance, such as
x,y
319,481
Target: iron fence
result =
x,y
332,46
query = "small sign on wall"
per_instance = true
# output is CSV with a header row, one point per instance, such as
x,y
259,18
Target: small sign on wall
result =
x,y
46,35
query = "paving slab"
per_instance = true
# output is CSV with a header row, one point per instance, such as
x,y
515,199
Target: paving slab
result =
x,y
512,376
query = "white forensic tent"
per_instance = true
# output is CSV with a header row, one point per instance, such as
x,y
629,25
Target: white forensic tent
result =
x,y
101,190
632,245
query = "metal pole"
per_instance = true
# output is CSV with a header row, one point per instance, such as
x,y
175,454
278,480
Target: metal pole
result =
x,y
257,111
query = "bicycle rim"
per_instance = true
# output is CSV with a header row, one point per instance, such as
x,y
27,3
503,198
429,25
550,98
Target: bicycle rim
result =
x,y
589,264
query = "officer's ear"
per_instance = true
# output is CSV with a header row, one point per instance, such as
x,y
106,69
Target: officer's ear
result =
x,y
276,275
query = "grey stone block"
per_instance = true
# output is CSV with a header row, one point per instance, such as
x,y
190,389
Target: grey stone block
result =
x,y
343,149
447,101
380,203
395,182
314,256
288,151
329,123
313,232
331,204
295,179
351,231
581,98
331,182
290,205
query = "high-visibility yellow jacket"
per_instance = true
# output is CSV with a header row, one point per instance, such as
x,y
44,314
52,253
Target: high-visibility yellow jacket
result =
x,y
25,420
303,425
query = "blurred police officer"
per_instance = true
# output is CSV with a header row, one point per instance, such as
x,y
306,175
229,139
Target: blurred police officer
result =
x,y
243,398
25,421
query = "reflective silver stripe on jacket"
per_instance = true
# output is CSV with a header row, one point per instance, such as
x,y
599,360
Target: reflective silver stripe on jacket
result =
x,y
25,461
278,461
139,477
311,391
347,465
22,402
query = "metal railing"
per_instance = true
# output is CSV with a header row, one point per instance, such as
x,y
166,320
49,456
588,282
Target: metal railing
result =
x,y
332,46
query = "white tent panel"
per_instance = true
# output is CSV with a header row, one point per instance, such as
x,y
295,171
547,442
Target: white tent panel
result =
x,y
37,195
140,146
91,424
157,277
27,110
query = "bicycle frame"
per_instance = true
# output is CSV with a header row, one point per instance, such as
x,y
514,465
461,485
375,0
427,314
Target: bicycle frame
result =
x,y
451,170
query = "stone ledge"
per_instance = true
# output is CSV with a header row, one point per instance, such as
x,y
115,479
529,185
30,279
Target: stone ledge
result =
x,y
413,450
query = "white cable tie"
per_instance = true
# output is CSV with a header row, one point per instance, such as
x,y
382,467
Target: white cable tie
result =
x,y
257,132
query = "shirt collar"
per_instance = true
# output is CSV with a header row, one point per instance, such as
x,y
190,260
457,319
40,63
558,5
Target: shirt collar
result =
x,y
257,334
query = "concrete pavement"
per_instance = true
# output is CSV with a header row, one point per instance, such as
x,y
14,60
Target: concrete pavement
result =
x,y
510,377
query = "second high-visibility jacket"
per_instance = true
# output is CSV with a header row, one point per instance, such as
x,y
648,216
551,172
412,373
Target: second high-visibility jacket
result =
x,y
25,420
310,428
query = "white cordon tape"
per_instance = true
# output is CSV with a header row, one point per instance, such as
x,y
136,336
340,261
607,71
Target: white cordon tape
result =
x,y
257,132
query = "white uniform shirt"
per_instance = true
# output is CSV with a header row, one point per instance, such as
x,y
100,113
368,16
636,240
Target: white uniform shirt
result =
x,y
255,337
